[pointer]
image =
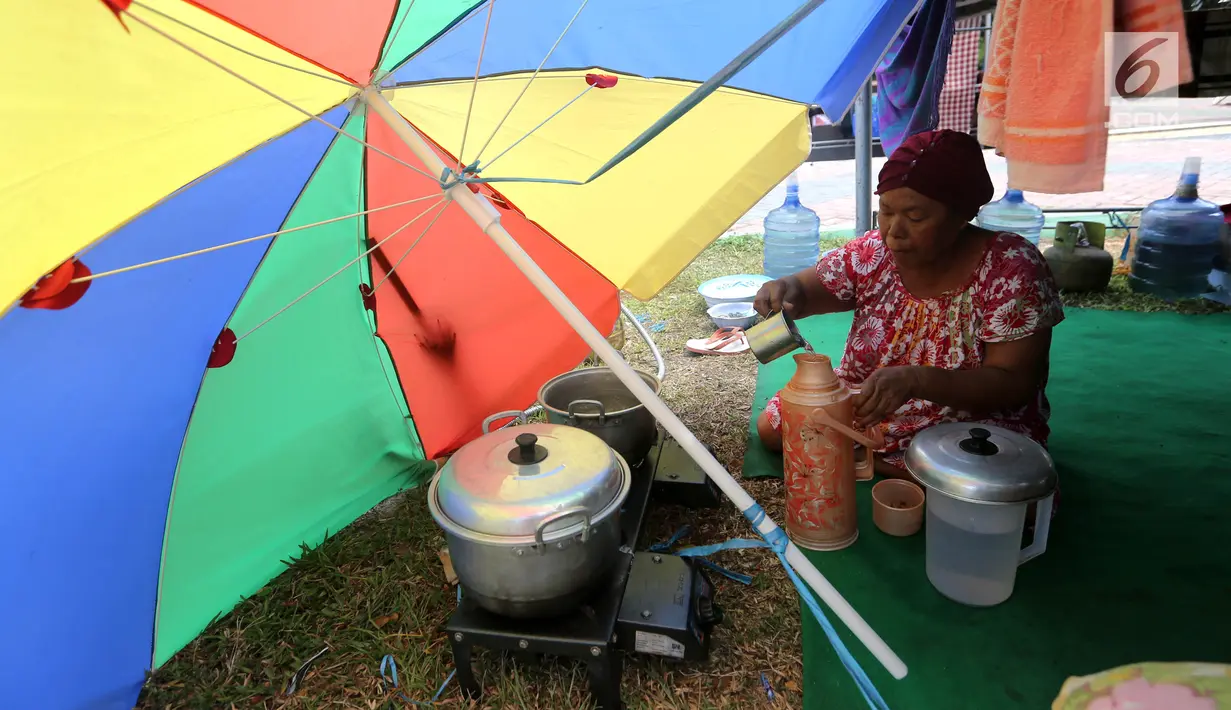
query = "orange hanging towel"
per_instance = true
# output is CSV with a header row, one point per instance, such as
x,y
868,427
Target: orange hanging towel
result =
x,y
1043,105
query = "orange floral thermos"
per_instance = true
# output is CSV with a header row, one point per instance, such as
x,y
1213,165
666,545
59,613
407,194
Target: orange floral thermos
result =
x,y
819,456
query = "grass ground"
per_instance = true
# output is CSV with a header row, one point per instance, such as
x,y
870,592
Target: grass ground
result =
x,y
378,587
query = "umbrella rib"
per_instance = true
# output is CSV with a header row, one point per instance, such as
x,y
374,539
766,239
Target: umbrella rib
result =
x,y
148,25
475,86
530,81
346,266
240,242
393,37
457,23
517,142
241,50
413,244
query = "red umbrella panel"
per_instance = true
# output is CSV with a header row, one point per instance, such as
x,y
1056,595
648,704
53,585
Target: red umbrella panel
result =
x,y
468,333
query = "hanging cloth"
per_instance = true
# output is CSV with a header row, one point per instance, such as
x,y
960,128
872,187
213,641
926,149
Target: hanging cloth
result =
x,y
1043,104
910,77
961,90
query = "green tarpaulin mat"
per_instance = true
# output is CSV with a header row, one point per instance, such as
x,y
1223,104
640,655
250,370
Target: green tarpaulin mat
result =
x,y
1137,566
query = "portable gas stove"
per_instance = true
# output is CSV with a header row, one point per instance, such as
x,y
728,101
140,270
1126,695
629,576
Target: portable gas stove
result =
x,y
654,603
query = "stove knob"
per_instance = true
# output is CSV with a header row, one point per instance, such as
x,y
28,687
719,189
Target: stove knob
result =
x,y
707,613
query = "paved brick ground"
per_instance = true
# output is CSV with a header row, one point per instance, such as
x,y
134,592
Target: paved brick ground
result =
x,y
1140,168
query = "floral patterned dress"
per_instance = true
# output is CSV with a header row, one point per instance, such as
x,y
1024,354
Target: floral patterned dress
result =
x,y
1010,295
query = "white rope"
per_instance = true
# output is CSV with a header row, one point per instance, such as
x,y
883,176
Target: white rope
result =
x,y
475,86
272,95
398,263
530,81
254,55
240,242
329,278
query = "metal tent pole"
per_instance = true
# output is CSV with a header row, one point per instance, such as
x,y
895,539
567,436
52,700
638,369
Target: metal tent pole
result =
x,y
487,218
863,159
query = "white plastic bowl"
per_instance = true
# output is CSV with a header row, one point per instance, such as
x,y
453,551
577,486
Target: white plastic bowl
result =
x,y
737,315
736,288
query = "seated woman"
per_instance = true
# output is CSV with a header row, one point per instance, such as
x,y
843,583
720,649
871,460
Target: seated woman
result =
x,y
951,322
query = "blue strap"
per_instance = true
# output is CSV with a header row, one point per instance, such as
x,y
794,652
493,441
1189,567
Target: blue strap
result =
x,y
732,575
738,543
389,673
778,542
650,324
769,689
389,680
666,546
700,553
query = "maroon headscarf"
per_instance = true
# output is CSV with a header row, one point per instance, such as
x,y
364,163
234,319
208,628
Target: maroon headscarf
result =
x,y
946,166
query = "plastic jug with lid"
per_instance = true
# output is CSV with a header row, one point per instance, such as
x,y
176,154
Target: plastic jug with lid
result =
x,y
1178,242
1012,213
980,481
792,235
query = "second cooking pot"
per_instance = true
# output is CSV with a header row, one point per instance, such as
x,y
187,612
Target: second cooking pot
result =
x,y
531,515
594,399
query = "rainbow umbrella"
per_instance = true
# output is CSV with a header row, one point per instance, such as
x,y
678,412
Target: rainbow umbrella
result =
x,y
241,302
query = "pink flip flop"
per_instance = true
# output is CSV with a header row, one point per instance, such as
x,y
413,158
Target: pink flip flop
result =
x,y
725,341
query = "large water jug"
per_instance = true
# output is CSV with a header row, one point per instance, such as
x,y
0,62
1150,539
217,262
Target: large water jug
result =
x,y
1012,213
1178,241
792,235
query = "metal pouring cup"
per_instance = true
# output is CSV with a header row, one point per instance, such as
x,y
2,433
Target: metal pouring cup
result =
x,y
774,337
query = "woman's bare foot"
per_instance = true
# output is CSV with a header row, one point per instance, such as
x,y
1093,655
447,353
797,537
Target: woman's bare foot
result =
x,y
770,438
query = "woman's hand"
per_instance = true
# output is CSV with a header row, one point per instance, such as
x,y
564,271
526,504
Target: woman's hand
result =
x,y
783,294
883,393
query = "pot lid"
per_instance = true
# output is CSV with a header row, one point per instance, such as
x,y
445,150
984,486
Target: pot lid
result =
x,y
506,482
981,463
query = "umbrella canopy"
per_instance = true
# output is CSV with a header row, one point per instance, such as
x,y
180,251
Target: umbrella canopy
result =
x,y
236,312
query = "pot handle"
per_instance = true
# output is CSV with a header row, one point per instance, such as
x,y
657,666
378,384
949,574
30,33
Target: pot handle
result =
x,y
820,416
602,411
561,515
1042,526
515,413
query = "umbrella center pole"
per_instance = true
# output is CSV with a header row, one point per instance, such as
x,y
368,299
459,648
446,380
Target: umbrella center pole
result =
x,y
487,218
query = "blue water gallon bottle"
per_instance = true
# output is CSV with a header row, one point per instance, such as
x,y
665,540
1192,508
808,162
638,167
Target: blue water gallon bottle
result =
x,y
1012,213
792,235
1178,240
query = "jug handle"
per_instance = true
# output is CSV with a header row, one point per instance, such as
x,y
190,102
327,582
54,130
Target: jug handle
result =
x,y
1042,525
820,416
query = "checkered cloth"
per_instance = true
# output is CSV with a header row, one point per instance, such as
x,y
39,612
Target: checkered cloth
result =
x,y
961,89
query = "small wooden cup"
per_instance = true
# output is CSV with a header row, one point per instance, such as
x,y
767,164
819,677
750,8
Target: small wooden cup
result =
x,y
897,507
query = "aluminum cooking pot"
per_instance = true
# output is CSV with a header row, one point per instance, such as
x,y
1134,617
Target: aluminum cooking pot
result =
x,y
531,515
594,399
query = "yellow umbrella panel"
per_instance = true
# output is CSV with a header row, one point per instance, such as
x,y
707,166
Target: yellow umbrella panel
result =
x,y
133,118
645,220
